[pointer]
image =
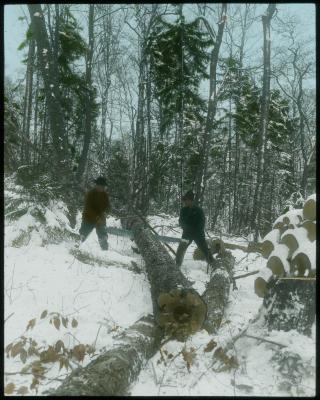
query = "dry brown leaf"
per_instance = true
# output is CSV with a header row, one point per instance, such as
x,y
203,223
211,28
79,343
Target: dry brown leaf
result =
x,y
49,355
64,322
16,349
23,390
210,346
74,323
31,323
9,389
56,322
9,347
34,383
23,355
188,357
43,314
59,345
79,352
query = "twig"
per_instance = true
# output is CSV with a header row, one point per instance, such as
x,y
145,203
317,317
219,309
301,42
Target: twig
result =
x,y
265,340
95,342
31,373
249,273
8,317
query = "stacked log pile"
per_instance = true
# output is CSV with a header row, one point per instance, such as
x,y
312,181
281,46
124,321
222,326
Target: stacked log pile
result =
x,y
287,285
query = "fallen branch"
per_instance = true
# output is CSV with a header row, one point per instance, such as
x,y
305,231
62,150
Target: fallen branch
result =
x,y
245,275
264,340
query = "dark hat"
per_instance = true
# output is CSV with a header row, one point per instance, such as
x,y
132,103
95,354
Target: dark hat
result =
x,y
101,180
188,196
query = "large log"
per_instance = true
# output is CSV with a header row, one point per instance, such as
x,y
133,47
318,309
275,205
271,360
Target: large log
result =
x,y
309,208
278,261
293,217
310,227
111,373
291,239
269,242
261,282
177,308
290,304
303,261
217,290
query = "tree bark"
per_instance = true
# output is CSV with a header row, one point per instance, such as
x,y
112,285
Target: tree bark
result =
x,y
217,290
265,100
177,307
89,99
212,107
111,373
50,80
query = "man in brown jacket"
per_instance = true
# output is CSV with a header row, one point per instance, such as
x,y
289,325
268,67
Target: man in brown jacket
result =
x,y
97,205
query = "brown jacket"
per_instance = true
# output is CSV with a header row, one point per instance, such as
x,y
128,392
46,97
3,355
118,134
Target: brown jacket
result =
x,y
97,203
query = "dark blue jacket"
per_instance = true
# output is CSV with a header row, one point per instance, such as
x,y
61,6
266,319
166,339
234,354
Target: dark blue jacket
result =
x,y
192,221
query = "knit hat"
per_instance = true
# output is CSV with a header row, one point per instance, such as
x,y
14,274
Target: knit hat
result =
x,y
188,196
101,180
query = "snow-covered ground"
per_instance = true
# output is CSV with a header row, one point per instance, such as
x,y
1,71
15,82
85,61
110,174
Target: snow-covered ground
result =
x,y
107,291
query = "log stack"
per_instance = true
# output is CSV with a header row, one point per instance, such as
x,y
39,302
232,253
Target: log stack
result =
x,y
287,285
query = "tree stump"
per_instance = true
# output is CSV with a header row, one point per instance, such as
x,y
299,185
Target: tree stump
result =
x,y
290,304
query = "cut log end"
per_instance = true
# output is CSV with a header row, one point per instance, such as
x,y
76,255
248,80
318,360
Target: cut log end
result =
x,y
260,287
182,313
276,265
266,248
310,227
309,210
301,265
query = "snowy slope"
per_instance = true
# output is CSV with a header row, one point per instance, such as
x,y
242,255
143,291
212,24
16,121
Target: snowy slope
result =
x,y
105,292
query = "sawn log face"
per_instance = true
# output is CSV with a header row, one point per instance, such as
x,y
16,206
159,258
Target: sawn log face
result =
x,y
177,307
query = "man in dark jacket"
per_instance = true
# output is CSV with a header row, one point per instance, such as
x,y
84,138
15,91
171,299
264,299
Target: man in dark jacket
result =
x,y
192,222
97,205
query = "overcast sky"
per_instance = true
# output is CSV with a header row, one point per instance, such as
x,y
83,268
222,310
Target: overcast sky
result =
x,y
14,31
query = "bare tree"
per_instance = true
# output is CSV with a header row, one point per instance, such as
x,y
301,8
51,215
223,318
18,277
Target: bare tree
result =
x,y
265,100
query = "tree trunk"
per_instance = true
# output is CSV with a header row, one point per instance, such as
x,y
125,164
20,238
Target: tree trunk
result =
x,y
28,104
111,373
89,99
257,198
177,307
290,304
50,79
212,107
217,290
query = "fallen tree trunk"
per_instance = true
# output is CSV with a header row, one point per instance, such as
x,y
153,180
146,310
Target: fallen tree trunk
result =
x,y
217,290
112,373
177,308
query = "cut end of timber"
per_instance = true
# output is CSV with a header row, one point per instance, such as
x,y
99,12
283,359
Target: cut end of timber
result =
x,y
260,287
309,209
277,266
311,229
182,313
267,248
301,265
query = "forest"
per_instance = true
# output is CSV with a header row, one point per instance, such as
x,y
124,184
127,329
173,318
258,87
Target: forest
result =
x,y
161,99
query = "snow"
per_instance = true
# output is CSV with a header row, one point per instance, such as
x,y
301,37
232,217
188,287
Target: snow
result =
x,y
273,236
108,297
308,248
301,234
